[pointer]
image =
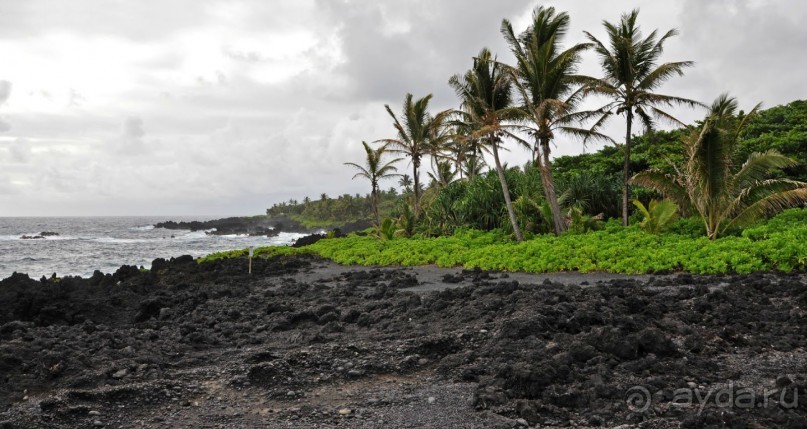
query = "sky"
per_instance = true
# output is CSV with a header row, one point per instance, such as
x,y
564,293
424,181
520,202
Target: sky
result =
x,y
223,107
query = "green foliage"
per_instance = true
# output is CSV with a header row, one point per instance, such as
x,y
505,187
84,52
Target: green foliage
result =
x,y
580,223
726,195
781,128
657,216
407,220
654,149
387,229
777,244
781,245
229,254
593,193
333,212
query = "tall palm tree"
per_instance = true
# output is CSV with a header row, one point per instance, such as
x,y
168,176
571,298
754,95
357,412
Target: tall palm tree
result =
x,y
486,94
725,195
632,74
417,132
545,77
375,170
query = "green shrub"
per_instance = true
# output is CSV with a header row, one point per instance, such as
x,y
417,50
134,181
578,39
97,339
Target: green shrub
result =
x,y
777,244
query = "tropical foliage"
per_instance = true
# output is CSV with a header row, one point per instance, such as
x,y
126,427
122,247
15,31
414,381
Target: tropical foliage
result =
x,y
778,244
724,194
657,216
695,187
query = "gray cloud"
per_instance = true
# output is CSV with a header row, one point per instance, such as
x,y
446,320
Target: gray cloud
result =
x,y
5,93
235,104
391,48
20,151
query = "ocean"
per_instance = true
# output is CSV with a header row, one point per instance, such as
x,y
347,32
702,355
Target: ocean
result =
x,y
86,244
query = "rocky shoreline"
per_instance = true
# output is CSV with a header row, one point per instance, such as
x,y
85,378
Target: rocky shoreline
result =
x,y
257,226
253,226
304,342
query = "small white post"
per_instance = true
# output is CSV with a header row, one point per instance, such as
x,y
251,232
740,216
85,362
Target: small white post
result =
x,y
251,252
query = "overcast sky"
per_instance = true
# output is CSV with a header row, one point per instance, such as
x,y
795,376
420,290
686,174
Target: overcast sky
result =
x,y
195,107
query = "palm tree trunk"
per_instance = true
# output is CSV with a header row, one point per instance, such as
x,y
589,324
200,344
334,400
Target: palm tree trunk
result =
x,y
549,187
416,180
505,190
626,171
374,200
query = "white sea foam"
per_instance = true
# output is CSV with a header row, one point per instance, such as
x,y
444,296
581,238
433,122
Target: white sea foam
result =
x,y
35,234
113,240
193,235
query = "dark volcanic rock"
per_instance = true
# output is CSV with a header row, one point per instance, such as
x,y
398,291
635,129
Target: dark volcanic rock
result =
x,y
255,225
186,344
307,240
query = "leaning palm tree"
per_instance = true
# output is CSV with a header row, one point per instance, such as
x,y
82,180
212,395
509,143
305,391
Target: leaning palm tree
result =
x,y
417,131
546,79
486,94
723,194
632,74
375,170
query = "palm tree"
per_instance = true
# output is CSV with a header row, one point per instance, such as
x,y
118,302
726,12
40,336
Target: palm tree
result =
x,y
545,77
444,175
374,171
417,134
406,183
725,196
632,74
486,94
472,166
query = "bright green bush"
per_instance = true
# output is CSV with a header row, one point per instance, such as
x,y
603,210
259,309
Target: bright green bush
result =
x,y
777,244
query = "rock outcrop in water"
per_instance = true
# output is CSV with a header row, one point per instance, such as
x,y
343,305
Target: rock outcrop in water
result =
x,y
256,225
41,235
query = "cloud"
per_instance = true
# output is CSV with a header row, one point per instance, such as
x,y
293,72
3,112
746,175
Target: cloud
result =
x,y
130,141
5,93
391,48
231,105
20,151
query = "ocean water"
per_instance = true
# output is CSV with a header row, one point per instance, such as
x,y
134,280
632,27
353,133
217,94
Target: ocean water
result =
x,y
86,244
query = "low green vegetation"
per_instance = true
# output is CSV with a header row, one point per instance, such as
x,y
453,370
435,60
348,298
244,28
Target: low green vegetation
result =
x,y
327,212
776,244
